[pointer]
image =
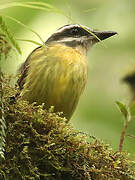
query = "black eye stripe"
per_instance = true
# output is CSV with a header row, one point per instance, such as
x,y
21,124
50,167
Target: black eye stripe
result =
x,y
74,31
69,32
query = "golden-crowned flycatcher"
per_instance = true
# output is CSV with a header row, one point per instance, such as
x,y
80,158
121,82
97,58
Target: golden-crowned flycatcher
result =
x,y
57,73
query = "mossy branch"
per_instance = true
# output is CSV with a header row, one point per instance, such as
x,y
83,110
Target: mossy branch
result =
x,y
41,145
4,51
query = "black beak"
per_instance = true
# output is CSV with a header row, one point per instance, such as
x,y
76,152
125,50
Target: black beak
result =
x,y
103,35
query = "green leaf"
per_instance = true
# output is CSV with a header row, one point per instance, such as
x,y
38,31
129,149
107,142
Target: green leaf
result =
x,y
9,35
2,157
25,26
33,5
132,109
31,41
123,109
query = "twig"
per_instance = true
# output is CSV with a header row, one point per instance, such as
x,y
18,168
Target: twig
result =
x,y
123,134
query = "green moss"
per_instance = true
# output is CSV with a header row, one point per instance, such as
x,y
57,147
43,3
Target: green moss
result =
x,y
40,145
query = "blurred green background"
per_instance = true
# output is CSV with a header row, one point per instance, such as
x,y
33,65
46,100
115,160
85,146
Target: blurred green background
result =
x,y
109,61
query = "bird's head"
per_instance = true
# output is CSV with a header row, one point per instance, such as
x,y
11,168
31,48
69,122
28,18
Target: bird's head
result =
x,y
78,36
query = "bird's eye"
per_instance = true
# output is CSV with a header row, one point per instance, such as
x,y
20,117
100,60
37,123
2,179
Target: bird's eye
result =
x,y
74,31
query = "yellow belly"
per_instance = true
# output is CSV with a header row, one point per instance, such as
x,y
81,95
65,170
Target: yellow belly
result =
x,y
57,76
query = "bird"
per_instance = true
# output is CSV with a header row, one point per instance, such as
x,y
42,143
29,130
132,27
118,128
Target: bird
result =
x,y
56,74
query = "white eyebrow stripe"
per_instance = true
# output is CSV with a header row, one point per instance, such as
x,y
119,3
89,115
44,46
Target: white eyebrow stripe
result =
x,y
70,39
65,38
67,27
71,26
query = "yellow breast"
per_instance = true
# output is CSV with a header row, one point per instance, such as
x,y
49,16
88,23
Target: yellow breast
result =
x,y
56,77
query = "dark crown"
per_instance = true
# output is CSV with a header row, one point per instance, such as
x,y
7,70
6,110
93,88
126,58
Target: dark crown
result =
x,y
68,31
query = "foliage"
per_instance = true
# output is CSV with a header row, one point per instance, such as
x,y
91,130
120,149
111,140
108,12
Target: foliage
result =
x,y
125,110
32,5
4,51
42,145
5,30
2,119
